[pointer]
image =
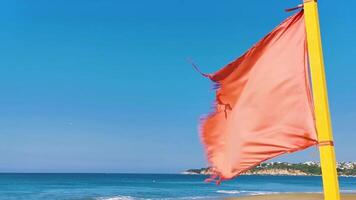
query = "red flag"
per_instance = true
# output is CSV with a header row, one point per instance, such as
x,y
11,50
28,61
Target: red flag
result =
x,y
263,103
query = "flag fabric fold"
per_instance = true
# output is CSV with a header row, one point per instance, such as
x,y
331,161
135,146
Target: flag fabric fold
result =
x,y
263,105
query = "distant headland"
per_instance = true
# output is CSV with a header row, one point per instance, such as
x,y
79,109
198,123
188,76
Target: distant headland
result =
x,y
288,169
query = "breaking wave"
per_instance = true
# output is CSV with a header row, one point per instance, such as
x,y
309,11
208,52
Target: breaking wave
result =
x,y
245,192
228,191
136,198
348,191
117,198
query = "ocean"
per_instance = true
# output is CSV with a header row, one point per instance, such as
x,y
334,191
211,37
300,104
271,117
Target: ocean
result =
x,y
151,186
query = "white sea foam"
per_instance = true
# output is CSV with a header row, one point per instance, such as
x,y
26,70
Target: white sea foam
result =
x,y
193,197
228,191
245,192
263,192
348,191
116,198
135,198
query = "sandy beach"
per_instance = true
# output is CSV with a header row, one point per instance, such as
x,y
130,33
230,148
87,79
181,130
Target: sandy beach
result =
x,y
300,196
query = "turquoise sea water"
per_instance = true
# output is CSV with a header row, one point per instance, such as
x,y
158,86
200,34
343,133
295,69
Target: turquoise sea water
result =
x,y
151,186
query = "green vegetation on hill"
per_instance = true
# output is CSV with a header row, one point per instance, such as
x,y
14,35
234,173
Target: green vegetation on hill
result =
x,y
283,168
307,168
347,172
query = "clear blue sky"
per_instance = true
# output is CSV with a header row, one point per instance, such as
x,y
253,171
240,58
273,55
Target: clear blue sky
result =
x,y
104,86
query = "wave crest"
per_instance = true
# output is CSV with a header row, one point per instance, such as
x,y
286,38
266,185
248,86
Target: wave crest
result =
x,y
228,191
116,198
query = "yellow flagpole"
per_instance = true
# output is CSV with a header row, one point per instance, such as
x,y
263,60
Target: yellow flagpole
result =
x,y
320,96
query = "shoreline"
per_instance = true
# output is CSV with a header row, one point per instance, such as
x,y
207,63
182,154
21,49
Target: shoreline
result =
x,y
292,196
